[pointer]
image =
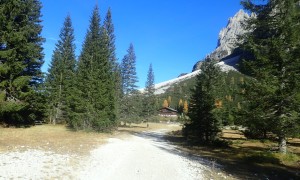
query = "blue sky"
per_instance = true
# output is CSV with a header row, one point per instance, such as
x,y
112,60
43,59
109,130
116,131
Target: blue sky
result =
x,y
171,34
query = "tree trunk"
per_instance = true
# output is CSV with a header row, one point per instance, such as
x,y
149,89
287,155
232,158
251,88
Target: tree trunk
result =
x,y
282,144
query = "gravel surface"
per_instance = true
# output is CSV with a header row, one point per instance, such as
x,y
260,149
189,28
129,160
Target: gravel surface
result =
x,y
141,156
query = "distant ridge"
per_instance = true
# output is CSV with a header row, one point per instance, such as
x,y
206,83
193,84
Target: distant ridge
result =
x,y
161,88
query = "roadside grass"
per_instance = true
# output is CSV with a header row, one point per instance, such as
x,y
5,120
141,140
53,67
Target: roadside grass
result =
x,y
58,139
140,127
246,159
63,140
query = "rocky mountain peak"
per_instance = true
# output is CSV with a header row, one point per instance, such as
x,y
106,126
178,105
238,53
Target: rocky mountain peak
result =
x,y
228,37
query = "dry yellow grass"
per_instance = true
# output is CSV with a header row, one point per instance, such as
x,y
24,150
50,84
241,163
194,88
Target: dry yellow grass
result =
x,y
60,139
152,126
57,138
240,141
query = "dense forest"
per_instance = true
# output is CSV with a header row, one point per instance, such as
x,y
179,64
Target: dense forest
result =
x,y
95,92
91,92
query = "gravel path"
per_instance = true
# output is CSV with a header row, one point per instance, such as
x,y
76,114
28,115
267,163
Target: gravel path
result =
x,y
143,156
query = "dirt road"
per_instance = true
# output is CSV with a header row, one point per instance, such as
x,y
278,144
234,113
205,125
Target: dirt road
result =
x,y
140,156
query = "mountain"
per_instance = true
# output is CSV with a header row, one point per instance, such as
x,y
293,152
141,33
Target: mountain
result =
x,y
227,42
228,37
226,66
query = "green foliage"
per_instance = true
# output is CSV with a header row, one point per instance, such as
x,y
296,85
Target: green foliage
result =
x,y
117,79
21,59
177,91
131,105
128,70
92,103
149,99
60,78
204,120
271,58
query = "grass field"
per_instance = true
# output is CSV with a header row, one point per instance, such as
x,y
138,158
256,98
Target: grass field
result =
x,y
61,139
57,138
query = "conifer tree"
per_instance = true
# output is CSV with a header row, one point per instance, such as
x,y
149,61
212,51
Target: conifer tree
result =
x,y
117,79
185,107
204,123
149,96
94,105
109,27
169,100
129,77
180,107
129,106
165,103
21,59
60,78
271,58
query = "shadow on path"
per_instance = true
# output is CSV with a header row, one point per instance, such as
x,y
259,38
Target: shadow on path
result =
x,y
216,165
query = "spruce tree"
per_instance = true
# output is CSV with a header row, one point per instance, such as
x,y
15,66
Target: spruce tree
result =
x,y
94,105
117,79
21,59
129,106
271,58
60,78
129,77
149,101
202,111
110,30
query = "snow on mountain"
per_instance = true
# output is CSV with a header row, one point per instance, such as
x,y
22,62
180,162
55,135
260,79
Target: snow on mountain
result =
x,y
225,66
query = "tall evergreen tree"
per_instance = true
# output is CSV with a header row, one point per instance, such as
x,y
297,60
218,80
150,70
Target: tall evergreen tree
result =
x,y
21,59
149,96
60,79
271,58
117,79
129,106
128,69
94,105
109,27
202,111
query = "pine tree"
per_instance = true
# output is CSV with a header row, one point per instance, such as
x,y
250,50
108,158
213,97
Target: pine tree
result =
x,y
149,96
117,79
180,107
185,108
271,58
109,27
169,100
21,59
94,105
129,77
202,112
60,79
129,109
165,104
